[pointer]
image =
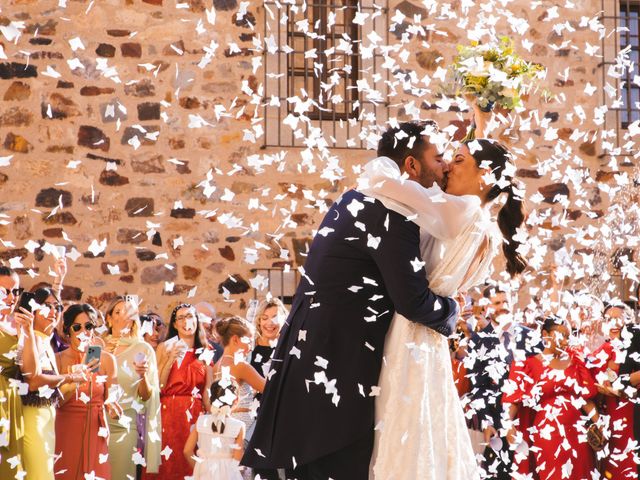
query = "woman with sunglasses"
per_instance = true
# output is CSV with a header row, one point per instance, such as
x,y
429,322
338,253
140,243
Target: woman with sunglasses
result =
x,y
84,408
16,327
44,380
182,379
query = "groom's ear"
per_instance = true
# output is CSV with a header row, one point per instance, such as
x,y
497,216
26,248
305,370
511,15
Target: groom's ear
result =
x,y
412,166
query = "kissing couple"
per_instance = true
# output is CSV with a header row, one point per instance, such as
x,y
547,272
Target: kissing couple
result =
x,y
361,384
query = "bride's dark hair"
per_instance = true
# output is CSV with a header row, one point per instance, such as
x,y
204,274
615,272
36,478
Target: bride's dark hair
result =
x,y
496,157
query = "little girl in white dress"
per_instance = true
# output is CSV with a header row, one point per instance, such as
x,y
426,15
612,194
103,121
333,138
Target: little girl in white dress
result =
x,y
219,437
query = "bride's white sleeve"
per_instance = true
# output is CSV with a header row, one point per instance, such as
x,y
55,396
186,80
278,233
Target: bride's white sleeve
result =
x,y
441,215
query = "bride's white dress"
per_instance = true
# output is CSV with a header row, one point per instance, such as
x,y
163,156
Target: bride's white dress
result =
x,y
421,431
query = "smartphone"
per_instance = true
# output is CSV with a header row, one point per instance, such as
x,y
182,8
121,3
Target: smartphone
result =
x,y
25,301
93,352
131,299
140,357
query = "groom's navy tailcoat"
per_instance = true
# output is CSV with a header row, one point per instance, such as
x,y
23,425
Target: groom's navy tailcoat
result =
x,y
363,265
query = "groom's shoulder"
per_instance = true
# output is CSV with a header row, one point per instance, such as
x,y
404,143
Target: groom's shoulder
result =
x,y
358,206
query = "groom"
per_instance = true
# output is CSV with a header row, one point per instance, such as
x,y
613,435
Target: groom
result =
x,y
317,412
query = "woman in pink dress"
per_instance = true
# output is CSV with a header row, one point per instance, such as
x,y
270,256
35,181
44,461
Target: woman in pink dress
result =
x,y
557,387
182,380
81,425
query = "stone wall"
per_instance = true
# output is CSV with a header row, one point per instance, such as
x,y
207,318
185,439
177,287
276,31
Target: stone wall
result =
x,y
125,128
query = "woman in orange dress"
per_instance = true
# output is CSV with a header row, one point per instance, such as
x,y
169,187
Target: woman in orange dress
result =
x,y
182,379
82,435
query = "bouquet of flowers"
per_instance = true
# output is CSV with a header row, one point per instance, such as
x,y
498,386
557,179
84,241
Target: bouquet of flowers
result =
x,y
494,73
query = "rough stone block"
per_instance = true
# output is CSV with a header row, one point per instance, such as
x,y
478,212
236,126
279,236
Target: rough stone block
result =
x,y
143,88
112,178
145,255
183,212
17,143
17,91
16,117
130,236
51,198
106,50
158,273
227,253
148,164
235,284
131,49
94,138
93,91
148,111
58,106
17,70
549,192
139,207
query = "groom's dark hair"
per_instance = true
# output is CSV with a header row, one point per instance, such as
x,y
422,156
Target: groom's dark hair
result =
x,y
412,141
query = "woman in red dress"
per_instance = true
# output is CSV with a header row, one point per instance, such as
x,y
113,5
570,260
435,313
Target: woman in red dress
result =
x,y
82,435
618,461
182,379
553,385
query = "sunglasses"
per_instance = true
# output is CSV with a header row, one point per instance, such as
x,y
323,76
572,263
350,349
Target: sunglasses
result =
x,y
54,306
15,291
76,327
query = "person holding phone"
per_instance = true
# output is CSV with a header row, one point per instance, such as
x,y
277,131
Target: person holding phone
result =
x,y
84,408
137,375
16,334
182,379
44,381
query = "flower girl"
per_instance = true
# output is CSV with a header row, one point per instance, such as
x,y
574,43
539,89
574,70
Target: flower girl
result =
x,y
219,437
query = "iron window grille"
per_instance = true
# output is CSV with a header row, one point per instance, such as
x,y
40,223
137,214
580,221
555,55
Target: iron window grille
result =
x,y
324,54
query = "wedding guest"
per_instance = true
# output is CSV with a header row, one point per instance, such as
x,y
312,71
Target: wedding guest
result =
x,y
630,373
618,460
182,378
83,409
153,329
39,407
138,378
208,319
16,327
237,337
490,354
219,437
558,388
269,317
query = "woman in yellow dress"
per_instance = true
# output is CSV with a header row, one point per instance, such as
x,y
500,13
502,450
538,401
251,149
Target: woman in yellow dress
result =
x,y
39,405
11,335
138,379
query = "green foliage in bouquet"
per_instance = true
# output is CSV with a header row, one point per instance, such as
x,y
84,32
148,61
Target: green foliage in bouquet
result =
x,y
495,74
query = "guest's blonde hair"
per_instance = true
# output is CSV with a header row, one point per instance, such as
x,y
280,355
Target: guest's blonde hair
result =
x,y
263,306
135,325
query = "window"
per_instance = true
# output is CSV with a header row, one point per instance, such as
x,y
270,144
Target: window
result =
x,y
323,65
619,91
630,91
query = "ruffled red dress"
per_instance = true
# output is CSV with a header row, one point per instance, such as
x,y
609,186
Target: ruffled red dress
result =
x,y
551,421
181,405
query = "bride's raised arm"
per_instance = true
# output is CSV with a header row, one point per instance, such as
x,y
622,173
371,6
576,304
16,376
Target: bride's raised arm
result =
x,y
441,215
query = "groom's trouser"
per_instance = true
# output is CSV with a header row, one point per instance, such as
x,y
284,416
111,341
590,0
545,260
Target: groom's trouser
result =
x,y
349,463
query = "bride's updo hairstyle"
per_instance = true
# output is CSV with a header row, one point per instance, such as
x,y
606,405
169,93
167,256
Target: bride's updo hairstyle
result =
x,y
496,157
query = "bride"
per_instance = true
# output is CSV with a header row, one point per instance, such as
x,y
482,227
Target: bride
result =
x,y
420,426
